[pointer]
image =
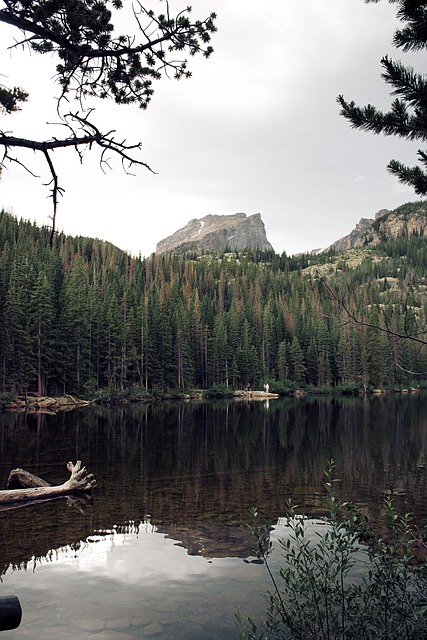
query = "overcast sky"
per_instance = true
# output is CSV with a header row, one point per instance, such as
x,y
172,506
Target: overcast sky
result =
x,y
256,129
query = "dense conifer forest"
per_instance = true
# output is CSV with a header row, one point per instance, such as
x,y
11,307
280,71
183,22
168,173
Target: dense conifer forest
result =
x,y
86,318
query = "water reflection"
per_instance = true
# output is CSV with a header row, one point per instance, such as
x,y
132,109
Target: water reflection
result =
x,y
197,468
139,583
139,555
133,581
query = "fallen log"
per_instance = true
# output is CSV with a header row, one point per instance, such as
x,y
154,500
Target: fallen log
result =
x,y
10,613
21,479
37,489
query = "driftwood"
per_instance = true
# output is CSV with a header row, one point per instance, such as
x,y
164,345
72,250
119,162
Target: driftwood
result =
x,y
36,489
20,479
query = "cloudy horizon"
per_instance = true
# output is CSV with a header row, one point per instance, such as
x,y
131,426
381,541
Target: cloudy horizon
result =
x,y
255,130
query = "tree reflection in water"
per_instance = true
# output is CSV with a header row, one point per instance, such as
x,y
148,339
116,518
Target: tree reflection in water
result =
x,y
197,468
159,551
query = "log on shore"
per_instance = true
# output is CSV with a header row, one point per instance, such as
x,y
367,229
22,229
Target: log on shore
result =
x,y
36,488
46,404
10,613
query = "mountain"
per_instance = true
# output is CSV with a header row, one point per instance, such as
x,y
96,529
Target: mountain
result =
x,y
350,240
84,318
217,233
405,221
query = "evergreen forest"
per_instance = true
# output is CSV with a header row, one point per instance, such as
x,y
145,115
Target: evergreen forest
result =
x,y
83,317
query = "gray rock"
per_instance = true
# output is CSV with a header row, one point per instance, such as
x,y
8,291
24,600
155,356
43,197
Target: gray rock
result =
x,y
153,629
217,233
349,241
405,221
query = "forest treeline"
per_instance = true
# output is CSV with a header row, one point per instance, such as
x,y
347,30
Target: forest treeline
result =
x,y
84,317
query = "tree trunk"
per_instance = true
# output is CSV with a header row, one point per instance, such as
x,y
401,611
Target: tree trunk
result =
x,y
37,489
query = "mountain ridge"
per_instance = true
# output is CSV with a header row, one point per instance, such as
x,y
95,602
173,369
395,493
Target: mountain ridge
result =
x,y
217,233
406,220
236,232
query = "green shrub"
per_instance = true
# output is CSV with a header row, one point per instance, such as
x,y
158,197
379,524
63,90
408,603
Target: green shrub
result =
x,y
6,399
137,393
347,388
114,395
283,387
218,391
348,584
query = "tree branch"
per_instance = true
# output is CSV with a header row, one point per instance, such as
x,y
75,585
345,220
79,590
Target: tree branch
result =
x,y
96,61
32,27
83,133
414,337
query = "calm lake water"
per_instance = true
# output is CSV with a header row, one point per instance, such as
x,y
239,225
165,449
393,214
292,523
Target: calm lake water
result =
x,y
159,551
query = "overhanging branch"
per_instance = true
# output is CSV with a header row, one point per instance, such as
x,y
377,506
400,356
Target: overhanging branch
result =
x,y
353,318
82,133
96,61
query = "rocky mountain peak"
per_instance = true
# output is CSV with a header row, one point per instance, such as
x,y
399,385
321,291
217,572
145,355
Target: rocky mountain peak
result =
x,y
406,220
217,233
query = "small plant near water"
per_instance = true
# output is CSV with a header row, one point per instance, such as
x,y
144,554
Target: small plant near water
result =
x,y
348,583
6,398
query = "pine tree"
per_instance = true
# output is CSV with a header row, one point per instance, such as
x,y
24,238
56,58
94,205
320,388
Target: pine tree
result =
x,y
219,361
19,355
296,356
42,329
112,349
76,327
282,361
407,117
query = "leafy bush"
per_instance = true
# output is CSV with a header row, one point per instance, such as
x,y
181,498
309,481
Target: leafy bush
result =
x,y
283,387
137,393
319,592
347,388
218,391
6,399
114,395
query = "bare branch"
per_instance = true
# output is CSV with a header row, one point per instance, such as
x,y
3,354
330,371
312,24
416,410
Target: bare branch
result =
x,y
82,133
56,191
95,61
352,318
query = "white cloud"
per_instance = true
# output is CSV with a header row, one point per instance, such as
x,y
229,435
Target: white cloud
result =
x,y
257,128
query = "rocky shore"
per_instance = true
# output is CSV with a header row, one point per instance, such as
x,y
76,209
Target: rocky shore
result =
x,y
45,404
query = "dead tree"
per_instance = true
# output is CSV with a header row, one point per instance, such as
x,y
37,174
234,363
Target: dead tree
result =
x,y
36,489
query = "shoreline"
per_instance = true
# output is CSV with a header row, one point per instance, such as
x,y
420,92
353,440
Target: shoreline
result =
x,y
51,405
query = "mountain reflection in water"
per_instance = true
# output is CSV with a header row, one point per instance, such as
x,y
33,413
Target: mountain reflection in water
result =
x,y
175,482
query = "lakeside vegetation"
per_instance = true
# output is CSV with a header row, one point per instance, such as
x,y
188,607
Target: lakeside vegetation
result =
x,y
345,579
88,319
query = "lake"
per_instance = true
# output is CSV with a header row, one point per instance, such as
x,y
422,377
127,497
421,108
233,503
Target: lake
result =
x,y
160,550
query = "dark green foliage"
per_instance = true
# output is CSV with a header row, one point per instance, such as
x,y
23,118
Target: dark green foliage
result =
x,y
407,117
6,399
10,99
94,59
218,391
86,318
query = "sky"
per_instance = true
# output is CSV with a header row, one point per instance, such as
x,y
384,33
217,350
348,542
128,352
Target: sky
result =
x,y
256,129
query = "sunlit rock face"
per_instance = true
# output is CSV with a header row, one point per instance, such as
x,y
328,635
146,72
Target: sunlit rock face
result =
x,y
405,221
350,240
218,233
396,224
